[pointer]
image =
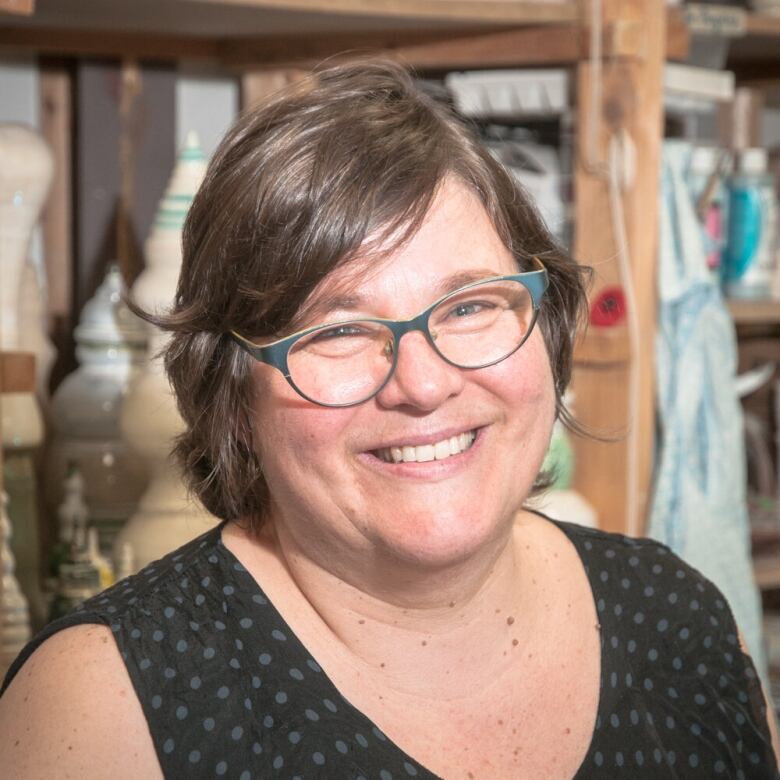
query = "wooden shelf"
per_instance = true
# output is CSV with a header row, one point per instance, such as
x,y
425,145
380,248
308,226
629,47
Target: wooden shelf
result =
x,y
277,33
237,18
17,372
763,25
259,34
758,312
24,7
766,569
491,11
726,21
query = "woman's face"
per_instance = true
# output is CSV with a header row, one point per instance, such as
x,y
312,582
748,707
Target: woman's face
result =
x,y
331,489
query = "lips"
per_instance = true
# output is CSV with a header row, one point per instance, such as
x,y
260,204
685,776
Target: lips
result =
x,y
423,453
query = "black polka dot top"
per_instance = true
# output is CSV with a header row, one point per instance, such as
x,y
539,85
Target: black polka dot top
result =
x,y
229,691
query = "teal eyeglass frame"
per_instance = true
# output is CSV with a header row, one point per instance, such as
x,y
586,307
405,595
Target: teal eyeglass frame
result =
x,y
275,353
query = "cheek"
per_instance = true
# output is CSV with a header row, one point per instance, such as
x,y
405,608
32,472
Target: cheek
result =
x,y
527,381
290,433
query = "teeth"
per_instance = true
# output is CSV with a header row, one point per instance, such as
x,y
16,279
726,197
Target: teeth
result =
x,y
427,452
442,449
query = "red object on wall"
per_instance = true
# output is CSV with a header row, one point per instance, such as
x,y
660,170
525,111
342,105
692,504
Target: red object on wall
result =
x,y
609,307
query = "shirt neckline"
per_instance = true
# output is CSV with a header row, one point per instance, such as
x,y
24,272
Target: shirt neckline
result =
x,y
572,534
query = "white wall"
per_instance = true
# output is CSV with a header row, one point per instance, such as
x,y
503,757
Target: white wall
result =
x,y
19,104
770,127
206,102
19,91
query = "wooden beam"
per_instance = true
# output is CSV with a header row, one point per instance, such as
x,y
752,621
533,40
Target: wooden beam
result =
x,y
107,43
56,124
630,110
678,36
22,7
762,25
256,86
486,11
17,372
436,50
432,49
759,312
463,46
558,45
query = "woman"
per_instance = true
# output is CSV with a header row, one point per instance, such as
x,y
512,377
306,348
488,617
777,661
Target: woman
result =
x,y
368,403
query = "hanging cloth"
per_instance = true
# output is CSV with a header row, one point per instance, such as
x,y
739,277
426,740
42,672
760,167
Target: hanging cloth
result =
x,y
699,504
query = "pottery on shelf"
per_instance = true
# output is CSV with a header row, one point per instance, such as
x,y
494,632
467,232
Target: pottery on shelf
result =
x,y
85,412
14,615
33,330
26,169
167,516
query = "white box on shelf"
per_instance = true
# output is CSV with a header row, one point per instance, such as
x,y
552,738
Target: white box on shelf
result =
x,y
698,83
499,93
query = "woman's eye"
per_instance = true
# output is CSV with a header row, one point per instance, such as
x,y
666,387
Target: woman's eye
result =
x,y
340,331
468,309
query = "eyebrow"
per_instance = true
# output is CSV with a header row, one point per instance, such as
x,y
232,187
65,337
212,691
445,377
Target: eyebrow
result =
x,y
326,303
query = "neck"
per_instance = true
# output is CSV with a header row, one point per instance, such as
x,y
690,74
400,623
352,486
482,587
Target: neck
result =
x,y
475,614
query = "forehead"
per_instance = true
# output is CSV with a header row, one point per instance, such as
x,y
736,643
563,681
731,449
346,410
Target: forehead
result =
x,y
455,244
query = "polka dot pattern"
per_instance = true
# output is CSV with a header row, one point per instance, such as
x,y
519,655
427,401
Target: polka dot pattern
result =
x,y
659,714
229,691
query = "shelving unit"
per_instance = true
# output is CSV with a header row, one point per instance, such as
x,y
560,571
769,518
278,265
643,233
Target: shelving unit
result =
x,y
767,571
264,40
759,312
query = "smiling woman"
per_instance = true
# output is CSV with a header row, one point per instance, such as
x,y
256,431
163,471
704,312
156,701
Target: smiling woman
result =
x,y
370,341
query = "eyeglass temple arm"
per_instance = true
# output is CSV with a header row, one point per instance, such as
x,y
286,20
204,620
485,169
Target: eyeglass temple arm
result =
x,y
271,354
538,281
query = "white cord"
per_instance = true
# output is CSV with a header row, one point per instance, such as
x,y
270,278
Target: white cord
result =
x,y
593,162
617,180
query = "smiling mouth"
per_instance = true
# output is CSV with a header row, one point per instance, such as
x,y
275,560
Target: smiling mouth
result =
x,y
424,453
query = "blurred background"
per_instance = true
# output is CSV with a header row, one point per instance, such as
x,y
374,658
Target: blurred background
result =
x,y
648,134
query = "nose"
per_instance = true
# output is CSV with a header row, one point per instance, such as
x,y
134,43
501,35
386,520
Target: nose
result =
x,y
422,379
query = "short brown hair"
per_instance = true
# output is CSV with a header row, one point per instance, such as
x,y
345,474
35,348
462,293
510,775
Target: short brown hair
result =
x,y
294,191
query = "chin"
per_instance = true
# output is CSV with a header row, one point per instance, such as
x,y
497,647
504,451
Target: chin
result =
x,y
439,539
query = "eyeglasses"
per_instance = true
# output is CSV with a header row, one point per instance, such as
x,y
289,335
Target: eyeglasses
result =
x,y
346,363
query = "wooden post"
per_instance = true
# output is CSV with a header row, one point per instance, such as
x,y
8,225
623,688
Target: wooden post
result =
x,y
56,113
615,477
257,85
21,7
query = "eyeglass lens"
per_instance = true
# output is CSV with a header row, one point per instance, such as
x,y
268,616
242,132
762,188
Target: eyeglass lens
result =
x,y
347,362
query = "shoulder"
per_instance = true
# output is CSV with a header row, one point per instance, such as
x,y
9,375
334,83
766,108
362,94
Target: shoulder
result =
x,y
75,698
670,630
647,557
71,711
134,601
645,580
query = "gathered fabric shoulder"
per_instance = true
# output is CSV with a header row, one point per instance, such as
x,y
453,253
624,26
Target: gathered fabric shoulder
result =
x,y
679,697
226,687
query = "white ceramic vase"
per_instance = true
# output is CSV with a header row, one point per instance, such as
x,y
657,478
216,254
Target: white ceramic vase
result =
x,y
26,169
85,413
14,614
167,516
33,336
